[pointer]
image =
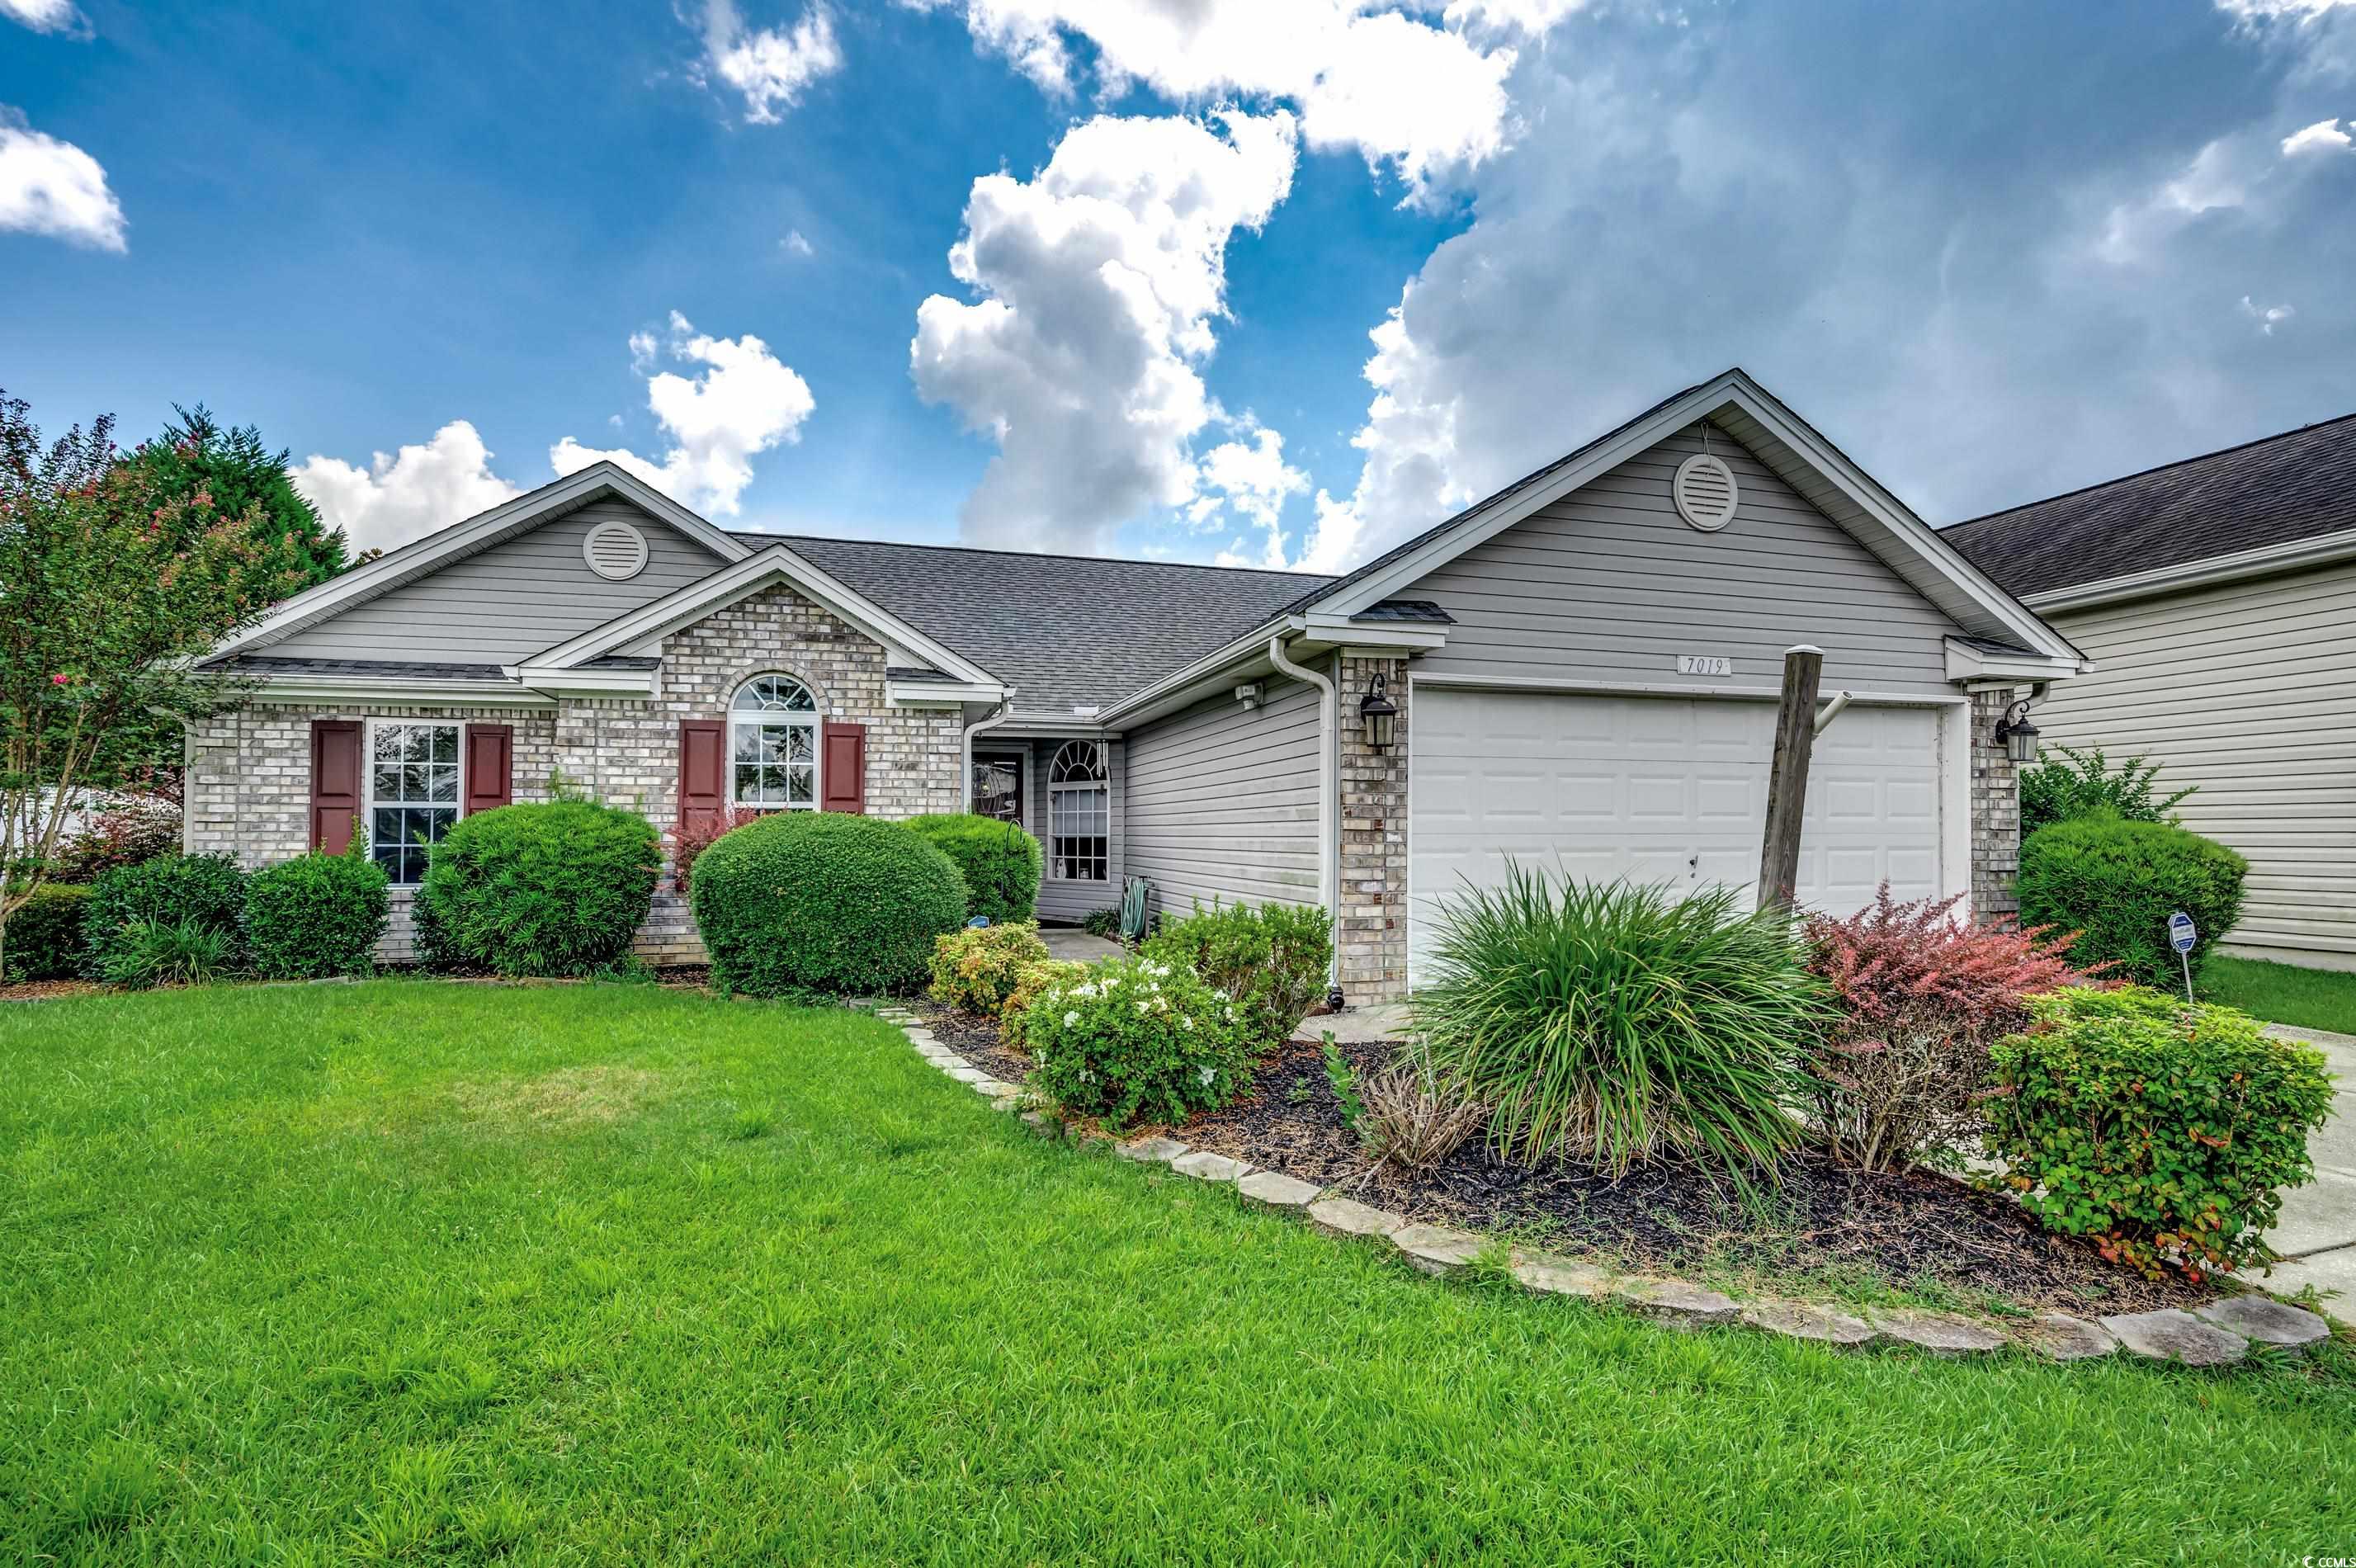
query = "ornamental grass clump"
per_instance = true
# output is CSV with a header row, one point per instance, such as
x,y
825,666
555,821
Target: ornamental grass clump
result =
x,y
1134,1039
2164,1131
1897,1075
1617,1023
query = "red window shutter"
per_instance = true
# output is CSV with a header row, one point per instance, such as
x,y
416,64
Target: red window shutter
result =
x,y
844,770
490,766
335,783
703,773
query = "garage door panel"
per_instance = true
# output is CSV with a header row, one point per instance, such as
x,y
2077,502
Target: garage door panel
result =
x,y
1660,790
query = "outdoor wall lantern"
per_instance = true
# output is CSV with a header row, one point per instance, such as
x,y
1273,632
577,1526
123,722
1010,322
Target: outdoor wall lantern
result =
x,y
2019,736
1379,715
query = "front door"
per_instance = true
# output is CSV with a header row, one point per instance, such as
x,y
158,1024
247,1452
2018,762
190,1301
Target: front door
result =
x,y
998,787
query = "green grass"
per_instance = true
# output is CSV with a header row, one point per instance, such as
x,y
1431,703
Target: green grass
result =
x,y
2282,993
413,1271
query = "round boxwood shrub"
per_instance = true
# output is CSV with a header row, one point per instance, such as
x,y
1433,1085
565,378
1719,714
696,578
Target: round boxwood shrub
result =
x,y
315,916
44,939
824,901
1000,862
2117,882
556,887
203,893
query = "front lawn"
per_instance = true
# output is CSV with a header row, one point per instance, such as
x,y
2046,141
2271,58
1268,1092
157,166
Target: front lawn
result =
x,y
2282,993
588,1274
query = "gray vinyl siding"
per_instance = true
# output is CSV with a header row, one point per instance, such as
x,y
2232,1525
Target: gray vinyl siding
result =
x,y
511,601
1061,901
1223,803
1609,585
2249,692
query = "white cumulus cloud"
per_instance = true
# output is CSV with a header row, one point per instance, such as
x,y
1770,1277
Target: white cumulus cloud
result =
x,y
2266,316
2323,137
1387,81
771,67
1097,282
405,495
53,187
742,402
43,15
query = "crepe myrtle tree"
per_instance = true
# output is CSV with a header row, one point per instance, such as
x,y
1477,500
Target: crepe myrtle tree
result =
x,y
111,590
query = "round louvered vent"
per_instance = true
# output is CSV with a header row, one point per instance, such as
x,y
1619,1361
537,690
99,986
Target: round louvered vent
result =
x,y
1705,492
616,550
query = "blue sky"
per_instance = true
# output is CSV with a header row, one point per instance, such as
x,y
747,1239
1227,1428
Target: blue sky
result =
x,y
1995,250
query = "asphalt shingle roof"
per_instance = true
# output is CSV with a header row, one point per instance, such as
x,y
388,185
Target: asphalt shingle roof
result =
x,y
2276,490
388,668
1068,632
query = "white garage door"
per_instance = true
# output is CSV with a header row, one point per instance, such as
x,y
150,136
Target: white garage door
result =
x,y
1659,790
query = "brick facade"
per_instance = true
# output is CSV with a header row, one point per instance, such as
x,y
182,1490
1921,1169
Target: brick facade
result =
x,y
249,769
1996,809
1371,929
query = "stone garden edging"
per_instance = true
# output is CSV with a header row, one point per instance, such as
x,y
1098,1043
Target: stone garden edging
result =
x,y
2219,1333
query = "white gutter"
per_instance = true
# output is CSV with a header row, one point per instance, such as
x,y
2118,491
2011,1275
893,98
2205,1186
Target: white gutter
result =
x,y
1329,742
2323,550
965,744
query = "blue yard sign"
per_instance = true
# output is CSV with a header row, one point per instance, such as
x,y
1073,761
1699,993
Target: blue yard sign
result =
x,y
2181,936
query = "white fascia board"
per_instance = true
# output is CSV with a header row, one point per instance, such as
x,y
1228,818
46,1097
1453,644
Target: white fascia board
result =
x,y
2323,550
418,692
774,563
1046,727
941,694
1965,662
421,556
1731,390
588,682
1320,631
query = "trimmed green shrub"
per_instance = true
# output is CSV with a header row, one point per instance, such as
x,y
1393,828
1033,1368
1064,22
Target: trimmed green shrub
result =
x,y
205,892
555,887
45,935
2069,783
315,916
976,969
2117,882
2161,1129
1000,862
1617,1023
824,901
1134,1037
163,952
1274,960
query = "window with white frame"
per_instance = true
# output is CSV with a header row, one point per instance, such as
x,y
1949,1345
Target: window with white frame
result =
x,y
1079,814
773,745
413,793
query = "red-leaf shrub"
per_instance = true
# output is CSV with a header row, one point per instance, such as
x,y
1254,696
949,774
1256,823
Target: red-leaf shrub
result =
x,y
689,839
1899,1079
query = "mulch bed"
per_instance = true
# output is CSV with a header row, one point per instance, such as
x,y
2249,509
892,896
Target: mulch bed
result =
x,y
1918,1229
46,990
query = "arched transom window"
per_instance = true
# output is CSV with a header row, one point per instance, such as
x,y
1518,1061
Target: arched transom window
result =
x,y
773,745
1079,813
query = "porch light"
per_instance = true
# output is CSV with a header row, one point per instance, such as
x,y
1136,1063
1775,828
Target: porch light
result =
x,y
2019,736
1379,715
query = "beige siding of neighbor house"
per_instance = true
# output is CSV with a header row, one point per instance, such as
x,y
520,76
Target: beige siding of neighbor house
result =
x,y
1609,585
2248,690
511,601
1223,803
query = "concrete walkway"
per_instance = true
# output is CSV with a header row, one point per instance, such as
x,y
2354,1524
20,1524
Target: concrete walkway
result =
x,y
1073,943
2317,1232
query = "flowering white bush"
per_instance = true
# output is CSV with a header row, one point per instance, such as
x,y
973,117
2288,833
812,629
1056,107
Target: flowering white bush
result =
x,y
1135,1038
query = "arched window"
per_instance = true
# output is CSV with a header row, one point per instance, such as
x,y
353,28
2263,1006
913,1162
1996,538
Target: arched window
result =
x,y
1079,814
773,745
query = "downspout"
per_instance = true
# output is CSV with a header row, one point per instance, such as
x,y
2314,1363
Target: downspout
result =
x,y
1329,743
965,746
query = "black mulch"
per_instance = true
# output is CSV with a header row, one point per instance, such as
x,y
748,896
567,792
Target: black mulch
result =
x,y
1916,1230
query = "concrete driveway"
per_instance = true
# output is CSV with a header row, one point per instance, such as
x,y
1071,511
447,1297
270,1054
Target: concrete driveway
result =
x,y
2317,1232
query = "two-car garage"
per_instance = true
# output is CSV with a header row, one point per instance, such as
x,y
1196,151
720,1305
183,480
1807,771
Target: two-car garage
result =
x,y
1670,789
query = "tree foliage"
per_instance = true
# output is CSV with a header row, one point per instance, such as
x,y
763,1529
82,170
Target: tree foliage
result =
x,y
197,455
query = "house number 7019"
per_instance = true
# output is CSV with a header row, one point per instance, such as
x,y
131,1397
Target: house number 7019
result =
x,y
1705,664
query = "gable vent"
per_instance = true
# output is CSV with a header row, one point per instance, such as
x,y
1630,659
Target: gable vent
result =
x,y
615,551
1705,492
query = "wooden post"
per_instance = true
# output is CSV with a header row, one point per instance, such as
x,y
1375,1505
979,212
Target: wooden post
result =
x,y
1787,780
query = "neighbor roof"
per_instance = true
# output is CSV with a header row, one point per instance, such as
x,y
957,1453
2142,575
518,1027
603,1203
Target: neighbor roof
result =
x,y
2294,486
1067,631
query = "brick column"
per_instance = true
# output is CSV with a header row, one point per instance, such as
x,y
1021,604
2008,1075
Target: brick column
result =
x,y
1996,810
1371,924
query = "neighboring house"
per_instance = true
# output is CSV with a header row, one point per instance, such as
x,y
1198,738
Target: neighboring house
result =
x,y
1584,668
2217,599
